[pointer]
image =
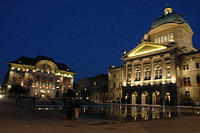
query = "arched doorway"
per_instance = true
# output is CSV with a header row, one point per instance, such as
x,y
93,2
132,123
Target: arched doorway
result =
x,y
153,98
156,98
144,97
167,98
134,95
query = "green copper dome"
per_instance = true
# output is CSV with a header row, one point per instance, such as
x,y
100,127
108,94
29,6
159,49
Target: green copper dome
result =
x,y
168,18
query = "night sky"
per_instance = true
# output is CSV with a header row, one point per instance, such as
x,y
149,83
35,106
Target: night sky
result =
x,y
86,35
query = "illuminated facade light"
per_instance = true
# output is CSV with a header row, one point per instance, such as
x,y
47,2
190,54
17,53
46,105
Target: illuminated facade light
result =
x,y
18,69
12,68
9,86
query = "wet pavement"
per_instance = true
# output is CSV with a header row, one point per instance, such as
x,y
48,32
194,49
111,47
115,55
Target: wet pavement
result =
x,y
23,118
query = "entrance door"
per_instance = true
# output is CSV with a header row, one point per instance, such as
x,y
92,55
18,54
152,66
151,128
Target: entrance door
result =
x,y
143,98
154,98
133,98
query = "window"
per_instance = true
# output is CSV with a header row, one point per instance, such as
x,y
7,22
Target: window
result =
x,y
158,73
168,75
158,39
147,74
187,81
171,36
187,93
168,37
155,40
185,67
197,65
161,39
137,75
165,38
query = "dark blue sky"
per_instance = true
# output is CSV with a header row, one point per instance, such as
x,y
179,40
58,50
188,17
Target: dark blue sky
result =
x,y
87,35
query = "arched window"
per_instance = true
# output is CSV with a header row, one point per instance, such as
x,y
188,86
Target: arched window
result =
x,y
137,75
147,74
158,71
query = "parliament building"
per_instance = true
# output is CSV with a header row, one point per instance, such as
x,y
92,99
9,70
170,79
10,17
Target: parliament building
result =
x,y
44,77
163,69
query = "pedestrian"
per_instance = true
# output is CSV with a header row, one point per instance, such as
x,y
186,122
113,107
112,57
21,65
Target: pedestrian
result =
x,y
77,105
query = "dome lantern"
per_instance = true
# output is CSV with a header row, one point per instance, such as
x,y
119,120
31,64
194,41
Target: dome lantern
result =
x,y
168,10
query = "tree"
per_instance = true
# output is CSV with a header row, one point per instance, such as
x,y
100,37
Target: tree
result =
x,y
69,94
19,90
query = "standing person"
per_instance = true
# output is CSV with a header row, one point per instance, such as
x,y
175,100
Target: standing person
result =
x,y
77,105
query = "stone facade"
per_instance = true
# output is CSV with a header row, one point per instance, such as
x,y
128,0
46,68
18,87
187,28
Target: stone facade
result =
x,y
42,75
152,72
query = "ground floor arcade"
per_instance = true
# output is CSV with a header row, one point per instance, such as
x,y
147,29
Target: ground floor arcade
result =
x,y
150,94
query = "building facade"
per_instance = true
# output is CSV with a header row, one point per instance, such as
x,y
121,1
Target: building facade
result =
x,y
94,89
42,75
163,69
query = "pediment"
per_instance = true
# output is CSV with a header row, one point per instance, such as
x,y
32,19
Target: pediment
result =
x,y
144,48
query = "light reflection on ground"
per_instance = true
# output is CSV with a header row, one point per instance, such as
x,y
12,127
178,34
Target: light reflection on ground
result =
x,y
135,113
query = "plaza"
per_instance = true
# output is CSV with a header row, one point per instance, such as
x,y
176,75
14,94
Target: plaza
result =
x,y
22,118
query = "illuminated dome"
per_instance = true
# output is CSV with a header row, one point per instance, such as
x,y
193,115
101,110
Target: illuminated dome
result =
x,y
168,17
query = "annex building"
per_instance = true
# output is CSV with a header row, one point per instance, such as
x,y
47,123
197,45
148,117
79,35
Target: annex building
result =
x,y
163,69
42,75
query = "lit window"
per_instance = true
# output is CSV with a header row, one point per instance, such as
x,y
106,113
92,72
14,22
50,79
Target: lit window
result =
x,y
168,37
158,39
171,36
137,75
158,73
147,74
168,72
161,39
165,38
155,40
